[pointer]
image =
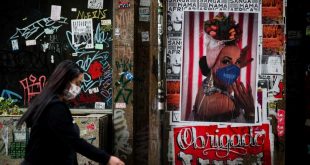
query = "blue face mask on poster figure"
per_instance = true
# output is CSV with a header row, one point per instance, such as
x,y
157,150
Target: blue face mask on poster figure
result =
x,y
228,75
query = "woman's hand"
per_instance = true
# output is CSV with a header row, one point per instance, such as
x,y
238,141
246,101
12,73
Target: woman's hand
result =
x,y
115,161
244,99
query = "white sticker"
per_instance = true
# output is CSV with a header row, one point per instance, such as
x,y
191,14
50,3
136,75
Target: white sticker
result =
x,y
19,136
160,105
145,2
120,105
144,18
93,90
117,32
55,12
95,4
106,22
14,45
74,54
30,42
44,46
52,59
144,10
176,116
83,132
73,9
145,36
48,31
99,105
99,46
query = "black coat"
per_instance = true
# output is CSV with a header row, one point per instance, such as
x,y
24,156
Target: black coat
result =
x,y
55,139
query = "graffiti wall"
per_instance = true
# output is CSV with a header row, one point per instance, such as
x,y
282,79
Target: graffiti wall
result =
x,y
225,79
37,36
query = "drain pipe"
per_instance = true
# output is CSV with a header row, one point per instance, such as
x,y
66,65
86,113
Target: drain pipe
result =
x,y
161,92
160,76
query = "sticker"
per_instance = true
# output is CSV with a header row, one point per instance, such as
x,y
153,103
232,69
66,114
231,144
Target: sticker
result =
x,y
106,22
95,4
144,10
74,54
117,32
99,105
30,42
93,90
120,105
123,4
176,116
145,2
48,31
55,12
160,105
83,132
145,36
99,46
52,59
19,136
14,45
144,18
73,9
45,46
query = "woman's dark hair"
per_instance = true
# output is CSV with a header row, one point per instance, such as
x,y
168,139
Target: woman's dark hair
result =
x,y
63,74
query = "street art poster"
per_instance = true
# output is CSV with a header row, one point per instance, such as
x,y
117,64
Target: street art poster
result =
x,y
262,99
174,45
173,95
173,60
272,64
272,11
276,87
82,33
196,145
273,39
174,21
219,60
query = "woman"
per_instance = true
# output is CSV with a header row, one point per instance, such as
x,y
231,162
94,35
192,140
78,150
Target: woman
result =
x,y
221,98
54,137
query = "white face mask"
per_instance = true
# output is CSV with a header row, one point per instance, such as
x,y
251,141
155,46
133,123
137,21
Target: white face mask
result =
x,y
73,91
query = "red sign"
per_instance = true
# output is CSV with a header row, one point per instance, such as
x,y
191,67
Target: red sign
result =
x,y
195,145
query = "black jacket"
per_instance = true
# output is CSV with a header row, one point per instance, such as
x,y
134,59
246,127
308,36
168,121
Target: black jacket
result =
x,y
55,139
